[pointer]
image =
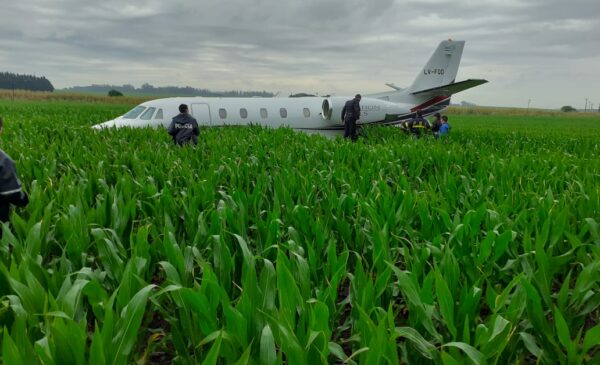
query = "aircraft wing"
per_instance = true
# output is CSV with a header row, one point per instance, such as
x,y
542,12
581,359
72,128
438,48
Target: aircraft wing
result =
x,y
452,88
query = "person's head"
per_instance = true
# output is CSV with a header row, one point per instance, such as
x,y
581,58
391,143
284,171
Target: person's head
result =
x,y
419,113
445,119
183,108
437,115
357,97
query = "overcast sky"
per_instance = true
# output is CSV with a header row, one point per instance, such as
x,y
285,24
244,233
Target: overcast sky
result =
x,y
546,51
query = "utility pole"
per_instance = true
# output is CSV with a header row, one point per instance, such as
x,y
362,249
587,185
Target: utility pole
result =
x,y
585,109
528,102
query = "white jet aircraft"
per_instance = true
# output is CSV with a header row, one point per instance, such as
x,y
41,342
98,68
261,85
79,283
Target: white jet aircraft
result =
x,y
430,93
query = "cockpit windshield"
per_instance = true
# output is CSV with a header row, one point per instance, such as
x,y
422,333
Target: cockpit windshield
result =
x,y
148,114
135,112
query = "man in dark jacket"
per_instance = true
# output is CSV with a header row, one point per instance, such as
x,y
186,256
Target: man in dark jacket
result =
x,y
350,114
418,125
184,128
437,123
11,191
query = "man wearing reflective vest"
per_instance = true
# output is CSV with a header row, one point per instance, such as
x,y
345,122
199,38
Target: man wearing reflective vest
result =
x,y
418,124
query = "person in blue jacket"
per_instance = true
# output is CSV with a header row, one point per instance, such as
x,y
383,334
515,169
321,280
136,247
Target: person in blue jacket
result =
x,y
445,127
11,191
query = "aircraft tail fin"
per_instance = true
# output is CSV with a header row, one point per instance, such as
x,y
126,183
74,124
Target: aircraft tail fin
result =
x,y
441,69
436,82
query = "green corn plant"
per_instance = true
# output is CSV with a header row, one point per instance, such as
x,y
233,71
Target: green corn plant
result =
x,y
271,246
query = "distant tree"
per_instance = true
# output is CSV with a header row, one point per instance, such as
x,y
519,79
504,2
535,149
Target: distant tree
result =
x,y
24,82
150,90
300,95
114,92
568,108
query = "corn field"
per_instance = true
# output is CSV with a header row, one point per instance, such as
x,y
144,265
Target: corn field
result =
x,y
274,247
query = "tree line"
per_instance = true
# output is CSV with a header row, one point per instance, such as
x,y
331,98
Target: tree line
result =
x,y
13,81
149,90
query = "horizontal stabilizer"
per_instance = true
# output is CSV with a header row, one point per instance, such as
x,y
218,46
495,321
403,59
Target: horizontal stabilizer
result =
x,y
451,88
393,86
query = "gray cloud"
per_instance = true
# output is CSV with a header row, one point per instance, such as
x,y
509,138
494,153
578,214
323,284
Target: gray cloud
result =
x,y
544,50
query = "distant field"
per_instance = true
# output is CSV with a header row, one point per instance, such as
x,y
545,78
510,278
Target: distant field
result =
x,y
23,95
61,96
270,246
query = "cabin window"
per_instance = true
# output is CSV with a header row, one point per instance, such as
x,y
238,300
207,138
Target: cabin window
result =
x,y
283,112
148,114
306,112
159,114
222,113
263,113
243,113
135,112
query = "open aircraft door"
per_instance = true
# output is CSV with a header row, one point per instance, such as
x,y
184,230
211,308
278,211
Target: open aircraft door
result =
x,y
201,111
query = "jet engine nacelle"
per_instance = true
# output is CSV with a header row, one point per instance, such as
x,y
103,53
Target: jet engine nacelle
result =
x,y
371,110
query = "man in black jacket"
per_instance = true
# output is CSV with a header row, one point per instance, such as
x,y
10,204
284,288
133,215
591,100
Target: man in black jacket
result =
x,y
184,128
11,191
437,123
419,124
350,114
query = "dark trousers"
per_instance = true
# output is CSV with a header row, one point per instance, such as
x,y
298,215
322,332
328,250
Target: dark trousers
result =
x,y
350,128
4,212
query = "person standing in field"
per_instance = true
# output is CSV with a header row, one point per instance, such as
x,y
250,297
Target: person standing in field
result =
x,y
350,114
445,127
184,128
11,191
435,126
418,124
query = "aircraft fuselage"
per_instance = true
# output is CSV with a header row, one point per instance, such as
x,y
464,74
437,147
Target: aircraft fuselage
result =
x,y
429,93
303,113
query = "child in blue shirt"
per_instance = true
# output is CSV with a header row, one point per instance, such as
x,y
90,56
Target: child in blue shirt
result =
x,y
445,128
